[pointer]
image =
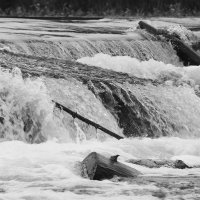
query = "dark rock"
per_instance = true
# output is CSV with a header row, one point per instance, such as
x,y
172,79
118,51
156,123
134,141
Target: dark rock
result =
x,y
132,115
179,164
146,162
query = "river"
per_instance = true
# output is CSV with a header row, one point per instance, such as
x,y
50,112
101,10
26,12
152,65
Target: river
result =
x,y
111,73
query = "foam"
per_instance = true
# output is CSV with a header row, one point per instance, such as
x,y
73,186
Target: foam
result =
x,y
150,69
49,170
25,104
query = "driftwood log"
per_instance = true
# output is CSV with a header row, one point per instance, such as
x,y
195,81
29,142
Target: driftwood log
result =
x,y
98,167
185,52
97,126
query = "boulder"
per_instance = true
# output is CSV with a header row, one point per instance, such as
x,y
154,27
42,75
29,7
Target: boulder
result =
x,y
179,164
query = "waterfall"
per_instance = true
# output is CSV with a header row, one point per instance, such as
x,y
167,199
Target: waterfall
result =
x,y
144,48
27,113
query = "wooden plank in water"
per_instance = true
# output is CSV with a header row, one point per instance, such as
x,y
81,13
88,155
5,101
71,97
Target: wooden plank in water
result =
x,y
98,167
180,46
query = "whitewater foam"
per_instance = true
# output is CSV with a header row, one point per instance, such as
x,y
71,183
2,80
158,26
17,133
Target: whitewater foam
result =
x,y
49,170
183,33
150,69
26,109
27,112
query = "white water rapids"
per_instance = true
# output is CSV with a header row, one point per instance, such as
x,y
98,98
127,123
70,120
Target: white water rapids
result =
x,y
50,170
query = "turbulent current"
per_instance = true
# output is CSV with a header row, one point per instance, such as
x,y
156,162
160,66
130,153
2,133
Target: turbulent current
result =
x,y
107,71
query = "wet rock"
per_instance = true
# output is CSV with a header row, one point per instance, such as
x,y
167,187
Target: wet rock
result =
x,y
132,115
179,164
138,105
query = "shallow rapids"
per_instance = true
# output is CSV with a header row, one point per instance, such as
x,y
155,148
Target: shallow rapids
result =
x,y
50,170
149,69
41,147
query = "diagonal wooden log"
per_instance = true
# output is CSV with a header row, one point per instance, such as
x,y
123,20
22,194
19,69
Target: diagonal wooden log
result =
x,y
97,126
98,167
181,47
147,27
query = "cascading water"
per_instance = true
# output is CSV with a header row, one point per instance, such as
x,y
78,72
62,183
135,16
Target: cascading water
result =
x,y
26,108
170,108
27,112
143,50
142,93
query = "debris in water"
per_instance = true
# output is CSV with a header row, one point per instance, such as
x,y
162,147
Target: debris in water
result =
x,y
97,167
179,164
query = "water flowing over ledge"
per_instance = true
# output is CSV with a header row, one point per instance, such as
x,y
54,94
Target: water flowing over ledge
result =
x,y
135,103
136,87
75,40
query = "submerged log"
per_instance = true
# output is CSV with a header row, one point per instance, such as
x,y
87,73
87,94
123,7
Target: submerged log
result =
x,y
98,167
186,53
178,164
